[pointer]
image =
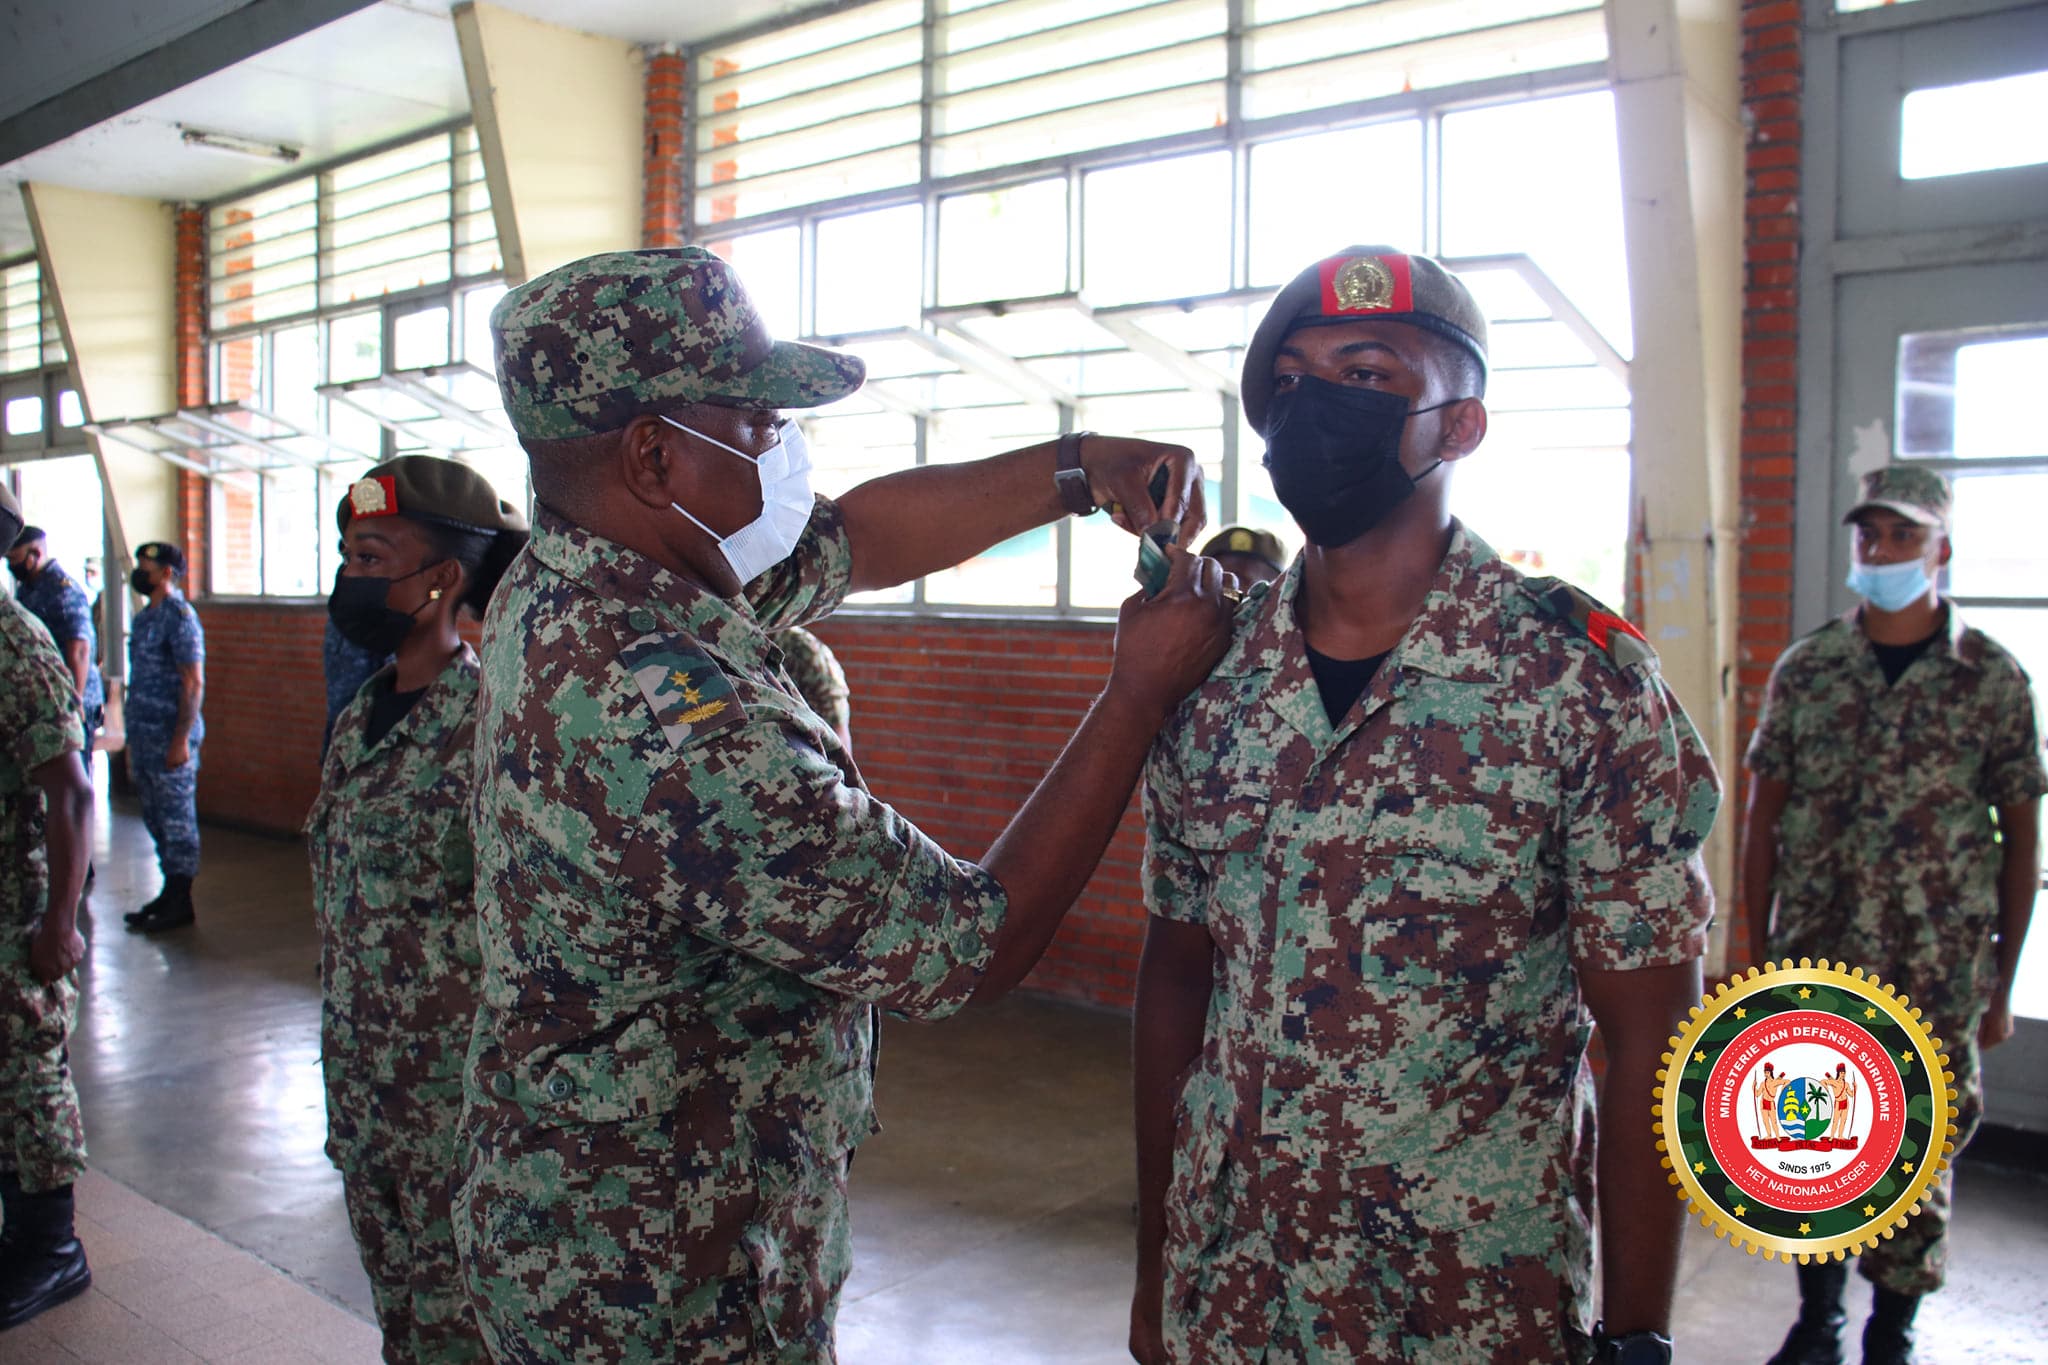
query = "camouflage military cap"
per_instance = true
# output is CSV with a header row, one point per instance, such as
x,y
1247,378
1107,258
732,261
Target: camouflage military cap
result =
x,y
428,488
1247,540
1361,284
10,516
588,347
1919,495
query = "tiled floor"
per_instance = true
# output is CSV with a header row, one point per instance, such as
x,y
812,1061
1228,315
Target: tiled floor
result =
x,y
992,1217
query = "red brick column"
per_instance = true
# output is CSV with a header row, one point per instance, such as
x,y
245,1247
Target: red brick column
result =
x,y
1773,65
190,331
661,184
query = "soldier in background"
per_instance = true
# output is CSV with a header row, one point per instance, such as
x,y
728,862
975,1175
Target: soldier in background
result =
x,y
166,689
1423,816
393,880
688,902
1893,825
1254,555
61,605
45,838
819,680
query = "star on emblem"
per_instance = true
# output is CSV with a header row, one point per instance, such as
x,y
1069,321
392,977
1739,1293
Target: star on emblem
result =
x,y
1742,1014
1907,1056
1806,1227
691,695
678,678
1741,1209
1870,1013
1699,1168
1906,1166
1804,992
1699,1056
1870,1210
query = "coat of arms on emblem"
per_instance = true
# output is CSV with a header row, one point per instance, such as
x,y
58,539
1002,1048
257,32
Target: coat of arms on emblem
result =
x,y
1364,282
1805,1110
369,498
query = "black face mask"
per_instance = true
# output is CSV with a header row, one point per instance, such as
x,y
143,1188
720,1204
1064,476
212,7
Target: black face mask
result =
x,y
358,607
1335,455
140,582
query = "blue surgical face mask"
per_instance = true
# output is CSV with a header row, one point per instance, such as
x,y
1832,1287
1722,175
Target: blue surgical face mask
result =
x,y
1890,587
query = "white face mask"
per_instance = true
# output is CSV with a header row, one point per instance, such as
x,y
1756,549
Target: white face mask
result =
x,y
785,474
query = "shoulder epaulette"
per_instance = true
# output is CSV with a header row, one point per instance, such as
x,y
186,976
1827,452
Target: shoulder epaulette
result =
x,y
1584,613
688,692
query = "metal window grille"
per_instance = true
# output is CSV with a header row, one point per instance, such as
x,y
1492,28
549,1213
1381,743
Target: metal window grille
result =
x,y
29,336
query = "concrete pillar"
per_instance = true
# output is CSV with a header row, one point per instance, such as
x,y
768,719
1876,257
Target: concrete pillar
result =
x,y
108,262
1677,103
559,121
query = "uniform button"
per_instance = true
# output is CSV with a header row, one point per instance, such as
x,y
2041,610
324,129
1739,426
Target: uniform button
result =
x,y
559,1087
1640,934
640,619
502,1085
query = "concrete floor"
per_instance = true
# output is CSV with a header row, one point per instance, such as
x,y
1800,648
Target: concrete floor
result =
x,y
992,1217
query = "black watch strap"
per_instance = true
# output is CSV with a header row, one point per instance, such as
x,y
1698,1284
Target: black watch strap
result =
x,y
1069,478
1636,1348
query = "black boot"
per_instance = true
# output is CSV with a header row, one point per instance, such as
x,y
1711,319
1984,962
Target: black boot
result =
x,y
1816,1339
10,1216
147,908
174,911
1888,1336
48,1262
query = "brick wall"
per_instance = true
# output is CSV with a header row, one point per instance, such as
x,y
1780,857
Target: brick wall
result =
x,y
661,192
1772,73
266,704
190,268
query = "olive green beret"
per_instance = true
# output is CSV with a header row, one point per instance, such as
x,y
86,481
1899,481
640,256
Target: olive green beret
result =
x,y
428,488
1247,540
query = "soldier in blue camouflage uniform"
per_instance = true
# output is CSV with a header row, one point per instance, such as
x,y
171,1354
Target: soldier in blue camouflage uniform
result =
x,y
1893,824
688,902
61,605
166,688
393,874
1423,817
45,837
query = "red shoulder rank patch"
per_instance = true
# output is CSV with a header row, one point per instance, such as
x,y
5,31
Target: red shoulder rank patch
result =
x,y
1363,285
1600,623
376,496
1612,634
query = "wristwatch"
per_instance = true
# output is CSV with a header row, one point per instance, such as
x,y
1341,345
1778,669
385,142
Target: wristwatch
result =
x,y
1637,1348
1069,478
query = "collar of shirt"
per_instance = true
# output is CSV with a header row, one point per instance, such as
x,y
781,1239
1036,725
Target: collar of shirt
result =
x,y
650,597
1456,636
1952,641
427,725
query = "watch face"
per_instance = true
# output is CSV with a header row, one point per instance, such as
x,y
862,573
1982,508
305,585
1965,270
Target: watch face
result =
x,y
1642,1349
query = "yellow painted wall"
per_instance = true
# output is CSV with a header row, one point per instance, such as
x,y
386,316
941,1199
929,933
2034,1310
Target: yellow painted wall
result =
x,y
109,261
558,116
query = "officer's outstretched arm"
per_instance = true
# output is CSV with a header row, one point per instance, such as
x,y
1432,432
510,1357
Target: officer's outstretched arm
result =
x,y
1165,646
1641,1225
918,521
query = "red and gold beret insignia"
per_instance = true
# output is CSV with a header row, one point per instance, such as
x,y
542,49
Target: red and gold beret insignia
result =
x,y
376,496
1366,284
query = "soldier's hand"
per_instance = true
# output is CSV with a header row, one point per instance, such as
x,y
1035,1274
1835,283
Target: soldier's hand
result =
x,y
1997,1025
51,955
178,755
1166,644
1148,1333
1120,471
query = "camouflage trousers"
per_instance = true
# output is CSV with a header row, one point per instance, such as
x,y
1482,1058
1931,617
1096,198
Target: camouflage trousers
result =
x,y
42,1138
649,1239
170,807
396,1147
1914,1260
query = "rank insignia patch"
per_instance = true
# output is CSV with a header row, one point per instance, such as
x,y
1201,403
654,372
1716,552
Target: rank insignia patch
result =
x,y
1805,1110
690,694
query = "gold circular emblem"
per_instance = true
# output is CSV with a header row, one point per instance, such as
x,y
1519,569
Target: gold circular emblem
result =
x,y
1364,282
1804,1110
366,496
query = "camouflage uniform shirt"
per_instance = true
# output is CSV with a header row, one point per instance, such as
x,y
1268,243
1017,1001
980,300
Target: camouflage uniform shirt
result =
x,y
819,679
1383,1150
687,901
1888,855
62,605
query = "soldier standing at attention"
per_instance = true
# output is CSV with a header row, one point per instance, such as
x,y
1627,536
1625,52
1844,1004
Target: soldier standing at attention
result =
x,y
687,900
61,605
393,875
45,839
1423,815
819,680
1893,823
166,684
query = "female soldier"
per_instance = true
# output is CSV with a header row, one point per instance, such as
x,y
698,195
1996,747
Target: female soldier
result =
x,y
392,872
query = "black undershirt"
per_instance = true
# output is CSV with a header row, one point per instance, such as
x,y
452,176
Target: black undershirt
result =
x,y
388,708
1342,681
1896,659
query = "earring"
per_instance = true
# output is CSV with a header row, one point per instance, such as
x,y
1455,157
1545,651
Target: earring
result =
x,y
433,594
